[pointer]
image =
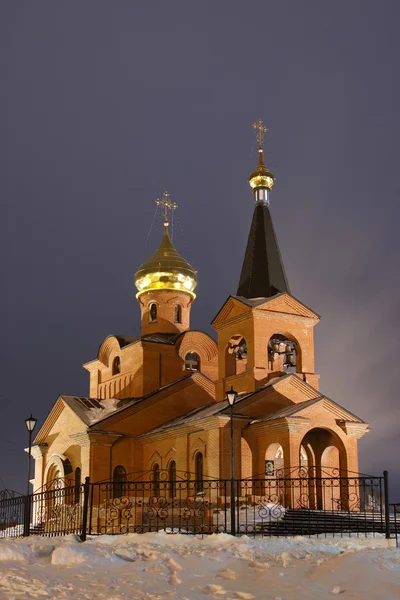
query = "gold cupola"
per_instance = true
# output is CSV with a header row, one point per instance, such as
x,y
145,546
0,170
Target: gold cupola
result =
x,y
261,177
166,269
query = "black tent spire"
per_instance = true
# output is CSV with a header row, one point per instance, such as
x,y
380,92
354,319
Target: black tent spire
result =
x,y
263,274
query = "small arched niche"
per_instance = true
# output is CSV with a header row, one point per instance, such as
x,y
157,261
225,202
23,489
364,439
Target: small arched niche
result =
x,y
236,356
284,354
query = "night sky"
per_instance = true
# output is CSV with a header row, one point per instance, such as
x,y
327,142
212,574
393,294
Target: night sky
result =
x,y
104,105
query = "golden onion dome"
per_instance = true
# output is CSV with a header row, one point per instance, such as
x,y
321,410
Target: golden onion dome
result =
x,y
261,177
166,270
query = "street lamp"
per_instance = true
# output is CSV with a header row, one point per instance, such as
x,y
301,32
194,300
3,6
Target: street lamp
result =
x,y
231,396
30,425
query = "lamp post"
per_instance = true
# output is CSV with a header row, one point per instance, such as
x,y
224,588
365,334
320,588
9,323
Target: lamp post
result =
x,y
30,425
231,396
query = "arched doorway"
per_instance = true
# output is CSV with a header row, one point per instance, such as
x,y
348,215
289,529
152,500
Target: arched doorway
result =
x,y
328,487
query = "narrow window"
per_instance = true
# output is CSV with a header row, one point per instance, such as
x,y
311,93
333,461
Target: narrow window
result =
x,y
119,477
156,479
199,473
172,478
116,366
153,313
192,362
178,314
77,485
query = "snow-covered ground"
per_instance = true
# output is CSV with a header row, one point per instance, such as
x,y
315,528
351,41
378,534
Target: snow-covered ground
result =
x,y
159,566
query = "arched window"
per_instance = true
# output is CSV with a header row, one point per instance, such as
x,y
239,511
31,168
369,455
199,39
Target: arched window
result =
x,y
153,313
119,477
172,478
77,485
116,366
156,479
178,314
192,362
199,473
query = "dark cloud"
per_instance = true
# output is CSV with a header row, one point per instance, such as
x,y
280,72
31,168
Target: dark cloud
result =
x,y
104,105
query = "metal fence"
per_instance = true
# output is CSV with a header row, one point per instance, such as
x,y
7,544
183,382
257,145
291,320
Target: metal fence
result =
x,y
287,506
266,506
12,511
395,522
181,505
57,509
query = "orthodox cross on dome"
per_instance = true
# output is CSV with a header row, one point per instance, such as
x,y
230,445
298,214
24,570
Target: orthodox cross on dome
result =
x,y
261,130
168,205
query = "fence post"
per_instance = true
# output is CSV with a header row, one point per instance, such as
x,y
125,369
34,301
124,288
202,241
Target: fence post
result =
x,y
27,516
85,508
387,514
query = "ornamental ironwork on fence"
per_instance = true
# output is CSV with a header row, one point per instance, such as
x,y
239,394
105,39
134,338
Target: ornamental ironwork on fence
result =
x,y
12,510
286,504
58,509
140,505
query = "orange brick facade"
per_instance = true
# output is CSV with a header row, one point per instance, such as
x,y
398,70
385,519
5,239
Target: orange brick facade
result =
x,y
155,372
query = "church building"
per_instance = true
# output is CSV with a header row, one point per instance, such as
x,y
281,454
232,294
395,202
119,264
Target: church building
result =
x,y
157,401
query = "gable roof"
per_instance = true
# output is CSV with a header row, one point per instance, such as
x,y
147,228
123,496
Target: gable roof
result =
x,y
294,409
197,414
92,411
222,408
284,302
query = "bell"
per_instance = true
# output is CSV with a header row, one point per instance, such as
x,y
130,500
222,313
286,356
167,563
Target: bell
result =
x,y
289,360
288,348
282,348
275,345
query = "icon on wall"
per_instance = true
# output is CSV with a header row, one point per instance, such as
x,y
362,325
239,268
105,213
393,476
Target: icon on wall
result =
x,y
269,467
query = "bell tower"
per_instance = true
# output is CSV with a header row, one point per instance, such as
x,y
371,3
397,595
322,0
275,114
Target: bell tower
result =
x,y
165,283
263,331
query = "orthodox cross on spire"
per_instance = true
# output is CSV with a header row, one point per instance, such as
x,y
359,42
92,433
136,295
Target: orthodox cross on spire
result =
x,y
261,130
168,205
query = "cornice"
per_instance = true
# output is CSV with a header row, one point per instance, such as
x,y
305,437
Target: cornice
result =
x,y
353,429
96,438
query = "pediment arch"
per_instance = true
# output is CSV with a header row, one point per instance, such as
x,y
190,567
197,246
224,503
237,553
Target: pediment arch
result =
x,y
108,347
201,343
